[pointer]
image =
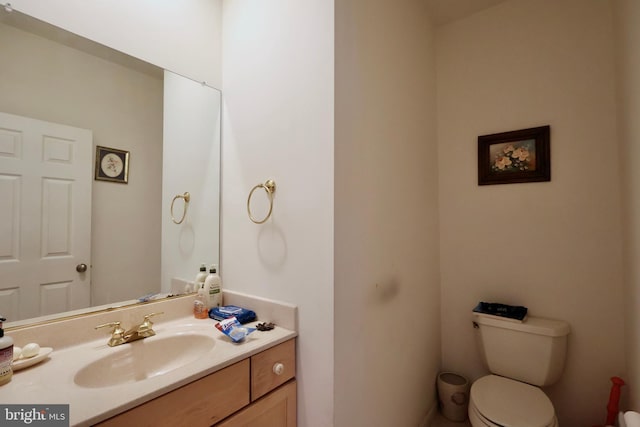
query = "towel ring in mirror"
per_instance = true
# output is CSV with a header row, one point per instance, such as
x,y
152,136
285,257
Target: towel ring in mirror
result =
x,y
270,187
186,197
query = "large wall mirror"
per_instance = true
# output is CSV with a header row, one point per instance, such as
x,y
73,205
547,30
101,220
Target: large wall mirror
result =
x,y
69,238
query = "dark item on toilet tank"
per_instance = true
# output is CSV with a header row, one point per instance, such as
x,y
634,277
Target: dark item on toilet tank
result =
x,y
502,310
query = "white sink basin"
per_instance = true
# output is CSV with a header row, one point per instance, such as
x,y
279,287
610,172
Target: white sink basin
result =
x,y
143,359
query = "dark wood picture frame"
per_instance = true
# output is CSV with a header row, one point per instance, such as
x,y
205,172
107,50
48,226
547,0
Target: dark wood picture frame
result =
x,y
112,165
515,157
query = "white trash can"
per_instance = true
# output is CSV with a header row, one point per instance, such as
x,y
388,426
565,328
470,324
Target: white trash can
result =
x,y
453,396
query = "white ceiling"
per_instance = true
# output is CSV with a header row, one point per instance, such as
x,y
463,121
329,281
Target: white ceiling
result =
x,y
445,11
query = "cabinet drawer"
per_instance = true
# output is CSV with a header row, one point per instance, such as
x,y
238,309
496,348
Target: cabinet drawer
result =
x,y
201,403
272,368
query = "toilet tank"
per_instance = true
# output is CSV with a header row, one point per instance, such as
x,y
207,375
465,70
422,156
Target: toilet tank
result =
x,y
532,351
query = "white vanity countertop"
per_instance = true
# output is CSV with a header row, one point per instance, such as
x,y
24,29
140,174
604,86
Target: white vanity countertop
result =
x,y
52,381
76,344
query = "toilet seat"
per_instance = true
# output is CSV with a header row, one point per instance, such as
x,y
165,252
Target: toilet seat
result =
x,y
499,401
477,420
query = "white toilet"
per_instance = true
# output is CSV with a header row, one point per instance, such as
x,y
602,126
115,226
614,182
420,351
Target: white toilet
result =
x,y
520,357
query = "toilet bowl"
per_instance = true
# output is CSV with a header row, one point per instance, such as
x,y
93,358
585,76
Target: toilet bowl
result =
x,y
502,402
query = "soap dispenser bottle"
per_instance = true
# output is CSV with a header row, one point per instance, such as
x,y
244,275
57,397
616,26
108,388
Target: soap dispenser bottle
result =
x,y
200,307
6,356
213,287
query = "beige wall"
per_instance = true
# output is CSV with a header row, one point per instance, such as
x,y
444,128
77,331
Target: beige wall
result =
x,y
628,39
387,325
278,124
554,247
184,37
123,108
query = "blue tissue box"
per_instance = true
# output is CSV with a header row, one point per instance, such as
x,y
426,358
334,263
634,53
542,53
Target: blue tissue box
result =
x,y
227,311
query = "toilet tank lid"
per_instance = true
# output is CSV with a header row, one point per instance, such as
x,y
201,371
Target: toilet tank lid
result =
x,y
532,325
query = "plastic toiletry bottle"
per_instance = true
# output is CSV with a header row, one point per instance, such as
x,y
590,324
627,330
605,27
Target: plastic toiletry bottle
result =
x,y
200,278
6,355
213,287
200,307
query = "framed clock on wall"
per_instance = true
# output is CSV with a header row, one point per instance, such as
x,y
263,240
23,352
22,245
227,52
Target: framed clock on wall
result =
x,y
112,165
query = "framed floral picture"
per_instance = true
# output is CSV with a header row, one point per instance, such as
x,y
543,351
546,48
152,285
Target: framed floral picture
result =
x,y
515,156
112,165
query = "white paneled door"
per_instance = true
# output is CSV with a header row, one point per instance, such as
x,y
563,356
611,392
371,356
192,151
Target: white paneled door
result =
x,y
45,217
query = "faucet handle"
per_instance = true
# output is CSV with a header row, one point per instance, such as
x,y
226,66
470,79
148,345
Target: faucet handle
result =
x,y
148,316
114,325
145,329
117,334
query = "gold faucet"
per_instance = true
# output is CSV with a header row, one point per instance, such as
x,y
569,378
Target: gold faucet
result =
x,y
120,336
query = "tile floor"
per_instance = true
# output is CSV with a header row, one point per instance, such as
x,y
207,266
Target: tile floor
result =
x,y
441,421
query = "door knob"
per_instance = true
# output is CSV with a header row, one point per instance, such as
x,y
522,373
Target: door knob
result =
x,y
81,268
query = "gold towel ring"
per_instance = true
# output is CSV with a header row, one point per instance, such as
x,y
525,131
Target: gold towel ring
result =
x,y
270,187
186,197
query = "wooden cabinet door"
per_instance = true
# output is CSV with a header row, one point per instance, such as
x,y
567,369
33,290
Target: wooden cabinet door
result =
x,y
200,403
276,409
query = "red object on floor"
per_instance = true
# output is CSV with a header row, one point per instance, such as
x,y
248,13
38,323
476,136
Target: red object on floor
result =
x,y
614,400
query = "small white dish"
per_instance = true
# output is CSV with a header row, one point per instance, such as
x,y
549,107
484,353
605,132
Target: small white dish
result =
x,y
25,363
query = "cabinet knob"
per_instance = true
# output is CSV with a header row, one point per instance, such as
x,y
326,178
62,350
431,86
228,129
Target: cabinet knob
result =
x,y
278,368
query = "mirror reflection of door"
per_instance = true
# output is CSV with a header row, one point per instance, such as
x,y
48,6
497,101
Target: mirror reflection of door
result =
x,y
45,239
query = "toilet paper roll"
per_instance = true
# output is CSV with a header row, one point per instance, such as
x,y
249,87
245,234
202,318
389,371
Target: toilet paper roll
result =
x,y
632,419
